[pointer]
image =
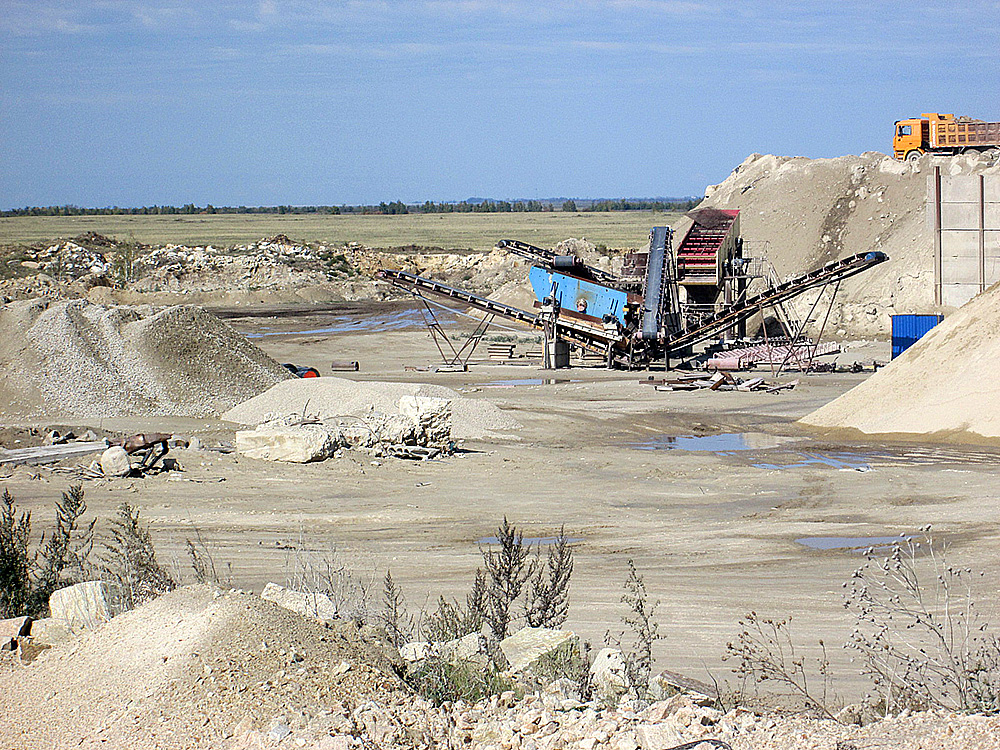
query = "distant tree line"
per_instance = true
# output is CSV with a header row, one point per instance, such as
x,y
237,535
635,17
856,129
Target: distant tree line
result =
x,y
392,208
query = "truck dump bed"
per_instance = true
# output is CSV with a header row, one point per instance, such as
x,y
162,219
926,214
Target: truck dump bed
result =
x,y
959,133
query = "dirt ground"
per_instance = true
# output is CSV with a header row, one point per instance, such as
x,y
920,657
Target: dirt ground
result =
x,y
714,530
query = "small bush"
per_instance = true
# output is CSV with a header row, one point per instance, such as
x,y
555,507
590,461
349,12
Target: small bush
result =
x,y
920,635
640,618
325,572
130,560
63,553
547,599
766,652
451,620
203,562
397,623
15,561
508,570
440,680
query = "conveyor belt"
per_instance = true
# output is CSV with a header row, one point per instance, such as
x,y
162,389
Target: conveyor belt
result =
x,y
652,301
548,257
586,336
838,270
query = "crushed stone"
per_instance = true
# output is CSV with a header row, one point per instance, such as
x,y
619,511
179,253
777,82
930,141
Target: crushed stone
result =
x,y
73,358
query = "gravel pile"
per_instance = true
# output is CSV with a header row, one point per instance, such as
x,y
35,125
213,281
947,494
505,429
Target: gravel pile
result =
x,y
336,397
78,359
941,387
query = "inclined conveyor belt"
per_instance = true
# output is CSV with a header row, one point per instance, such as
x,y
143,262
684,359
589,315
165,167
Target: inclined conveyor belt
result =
x,y
579,333
838,270
548,257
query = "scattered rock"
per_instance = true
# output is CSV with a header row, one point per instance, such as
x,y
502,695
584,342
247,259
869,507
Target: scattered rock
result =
x,y
279,732
607,673
11,630
667,683
292,443
85,605
306,604
657,736
528,645
49,631
472,648
431,416
417,651
115,462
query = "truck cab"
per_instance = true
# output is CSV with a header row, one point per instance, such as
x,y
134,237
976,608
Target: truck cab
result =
x,y
910,138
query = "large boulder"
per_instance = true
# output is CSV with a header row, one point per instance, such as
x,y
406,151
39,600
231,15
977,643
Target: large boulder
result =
x,y
293,443
607,673
85,605
528,645
307,604
115,462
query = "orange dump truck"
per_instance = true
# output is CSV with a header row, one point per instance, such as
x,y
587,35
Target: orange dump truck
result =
x,y
934,133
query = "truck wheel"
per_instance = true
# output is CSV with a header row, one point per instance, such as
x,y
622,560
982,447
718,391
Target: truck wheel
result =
x,y
913,155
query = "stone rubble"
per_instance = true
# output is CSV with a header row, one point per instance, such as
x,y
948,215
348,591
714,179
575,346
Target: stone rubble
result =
x,y
422,422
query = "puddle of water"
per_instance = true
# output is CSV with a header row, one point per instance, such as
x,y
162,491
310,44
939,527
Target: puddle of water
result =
x,y
846,461
530,540
395,321
524,381
852,543
722,444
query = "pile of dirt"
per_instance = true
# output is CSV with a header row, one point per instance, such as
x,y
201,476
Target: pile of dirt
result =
x,y
185,669
801,213
338,397
78,359
942,387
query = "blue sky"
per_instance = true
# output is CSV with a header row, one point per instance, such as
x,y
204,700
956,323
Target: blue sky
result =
x,y
106,102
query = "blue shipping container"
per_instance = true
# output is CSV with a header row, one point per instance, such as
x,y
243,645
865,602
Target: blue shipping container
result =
x,y
908,329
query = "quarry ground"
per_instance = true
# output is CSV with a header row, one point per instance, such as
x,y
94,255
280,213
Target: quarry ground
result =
x,y
714,532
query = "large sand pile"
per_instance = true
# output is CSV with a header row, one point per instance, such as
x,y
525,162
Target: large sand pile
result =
x,y
338,397
78,359
802,213
942,387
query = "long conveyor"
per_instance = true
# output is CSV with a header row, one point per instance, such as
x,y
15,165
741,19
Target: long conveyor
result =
x,y
549,258
835,271
579,333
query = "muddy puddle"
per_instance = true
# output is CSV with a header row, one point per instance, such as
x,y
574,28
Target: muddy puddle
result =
x,y
776,452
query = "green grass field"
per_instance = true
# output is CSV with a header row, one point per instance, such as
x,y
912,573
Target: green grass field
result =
x,y
619,229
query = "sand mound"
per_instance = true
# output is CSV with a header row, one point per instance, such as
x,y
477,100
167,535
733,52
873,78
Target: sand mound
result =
x,y
801,213
943,386
181,670
77,359
335,397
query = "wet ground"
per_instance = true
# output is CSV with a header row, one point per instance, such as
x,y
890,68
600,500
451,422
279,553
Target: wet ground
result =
x,y
721,500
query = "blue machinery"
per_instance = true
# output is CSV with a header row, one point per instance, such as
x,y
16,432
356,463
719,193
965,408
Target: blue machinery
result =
x,y
640,317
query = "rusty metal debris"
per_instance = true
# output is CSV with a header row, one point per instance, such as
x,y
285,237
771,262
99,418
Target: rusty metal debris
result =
x,y
719,381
